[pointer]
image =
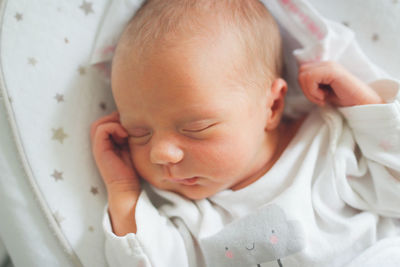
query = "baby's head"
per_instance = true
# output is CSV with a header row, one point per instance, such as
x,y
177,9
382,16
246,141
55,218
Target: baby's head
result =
x,y
197,86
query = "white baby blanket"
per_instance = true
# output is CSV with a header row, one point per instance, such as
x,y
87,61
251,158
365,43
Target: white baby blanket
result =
x,y
52,95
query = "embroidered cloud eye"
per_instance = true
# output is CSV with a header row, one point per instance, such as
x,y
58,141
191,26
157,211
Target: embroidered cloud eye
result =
x,y
251,247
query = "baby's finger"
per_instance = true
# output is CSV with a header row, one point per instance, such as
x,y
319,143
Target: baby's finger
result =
x,y
311,88
126,157
113,117
312,65
120,135
102,139
333,99
301,80
305,66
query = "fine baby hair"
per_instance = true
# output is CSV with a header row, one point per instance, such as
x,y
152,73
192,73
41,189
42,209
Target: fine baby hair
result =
x,y
159,25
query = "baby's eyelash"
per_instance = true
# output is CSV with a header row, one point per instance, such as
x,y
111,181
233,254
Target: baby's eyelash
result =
x,y
139,133
141,136
200,129
140,140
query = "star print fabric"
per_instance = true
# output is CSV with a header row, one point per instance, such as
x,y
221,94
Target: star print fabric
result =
x,y
55,96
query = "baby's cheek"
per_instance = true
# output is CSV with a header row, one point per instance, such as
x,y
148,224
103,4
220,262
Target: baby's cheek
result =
x,y
139,155
221,158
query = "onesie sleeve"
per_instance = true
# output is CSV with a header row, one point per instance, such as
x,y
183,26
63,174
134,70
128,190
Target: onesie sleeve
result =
x,y
156,243
376,130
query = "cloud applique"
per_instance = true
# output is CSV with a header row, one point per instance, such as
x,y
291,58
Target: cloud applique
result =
x,y
263,236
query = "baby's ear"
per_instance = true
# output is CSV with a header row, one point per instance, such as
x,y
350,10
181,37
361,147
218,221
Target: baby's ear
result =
x,y
277,103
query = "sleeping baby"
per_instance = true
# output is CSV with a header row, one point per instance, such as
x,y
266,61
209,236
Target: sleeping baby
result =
x,y
202,170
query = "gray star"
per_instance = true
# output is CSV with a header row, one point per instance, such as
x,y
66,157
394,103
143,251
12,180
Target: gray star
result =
x,y
94,190
18,16
32,61
103,106
82,71
59,97
87,7
58,134
57,175
59,218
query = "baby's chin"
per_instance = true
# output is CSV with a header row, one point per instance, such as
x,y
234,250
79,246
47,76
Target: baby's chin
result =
x,y
197,191
192,193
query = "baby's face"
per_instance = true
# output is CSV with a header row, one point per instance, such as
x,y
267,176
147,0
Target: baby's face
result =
x,y
192,130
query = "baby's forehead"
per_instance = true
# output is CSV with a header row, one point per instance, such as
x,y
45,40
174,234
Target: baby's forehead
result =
x,y
177,78
184,56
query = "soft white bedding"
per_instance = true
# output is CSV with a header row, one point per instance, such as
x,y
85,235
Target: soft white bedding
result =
x,y
23,227
51,195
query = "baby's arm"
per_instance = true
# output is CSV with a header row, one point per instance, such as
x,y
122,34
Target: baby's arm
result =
x,y
111,153
328,82
136,233
373,175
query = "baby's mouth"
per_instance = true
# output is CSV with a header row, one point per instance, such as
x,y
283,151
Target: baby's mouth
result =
x,y
185,181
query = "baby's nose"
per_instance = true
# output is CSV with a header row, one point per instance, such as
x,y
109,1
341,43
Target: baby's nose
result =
x,y
165,152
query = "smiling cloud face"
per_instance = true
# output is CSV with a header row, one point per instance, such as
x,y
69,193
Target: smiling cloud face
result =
x,y
263,236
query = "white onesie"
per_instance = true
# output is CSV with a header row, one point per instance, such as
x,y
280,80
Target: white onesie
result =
x,y
332,199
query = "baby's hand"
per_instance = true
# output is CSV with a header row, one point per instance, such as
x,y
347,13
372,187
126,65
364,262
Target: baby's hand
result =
x,y
328,82
111,152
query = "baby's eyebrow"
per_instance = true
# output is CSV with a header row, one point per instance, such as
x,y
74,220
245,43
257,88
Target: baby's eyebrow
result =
x,y
185,116
199,116
182,122
198,121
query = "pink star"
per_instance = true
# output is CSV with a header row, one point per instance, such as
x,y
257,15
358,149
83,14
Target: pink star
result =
x,y
385,145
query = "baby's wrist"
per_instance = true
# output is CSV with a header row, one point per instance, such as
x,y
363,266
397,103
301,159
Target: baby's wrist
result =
x,y
359,93
369,97
125,188
121,208
119,199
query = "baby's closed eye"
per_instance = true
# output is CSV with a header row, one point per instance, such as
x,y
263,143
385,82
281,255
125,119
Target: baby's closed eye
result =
x,y
199,127
139,132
